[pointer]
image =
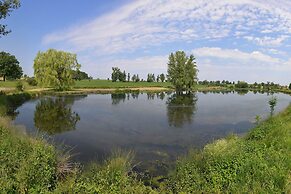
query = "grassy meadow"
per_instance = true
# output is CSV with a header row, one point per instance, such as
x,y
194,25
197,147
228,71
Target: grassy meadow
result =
x,y
110,84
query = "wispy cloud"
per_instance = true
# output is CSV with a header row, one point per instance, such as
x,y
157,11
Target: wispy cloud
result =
x,y
152,22
155,24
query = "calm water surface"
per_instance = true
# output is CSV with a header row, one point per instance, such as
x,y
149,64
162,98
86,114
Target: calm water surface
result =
x,y
157,127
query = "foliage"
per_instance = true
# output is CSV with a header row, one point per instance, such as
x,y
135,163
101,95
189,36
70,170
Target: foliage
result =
x,y
19,86
258,163
151,77
27,165
9,66
162,77
6,7
290,86
182,71
80,75
31,81
272,104
241,84
117,75
54,116
55,69
135,78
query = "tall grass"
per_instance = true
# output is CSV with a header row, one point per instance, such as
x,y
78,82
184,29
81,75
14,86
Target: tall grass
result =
x,y
260,162
257,163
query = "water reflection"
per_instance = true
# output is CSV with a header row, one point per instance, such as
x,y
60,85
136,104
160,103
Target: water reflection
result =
x,y
181,108
10,103
151,96
135,95
55,115
117,98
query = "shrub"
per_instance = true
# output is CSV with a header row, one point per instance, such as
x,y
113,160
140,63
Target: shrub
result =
x,y
19,86
31,81
241,84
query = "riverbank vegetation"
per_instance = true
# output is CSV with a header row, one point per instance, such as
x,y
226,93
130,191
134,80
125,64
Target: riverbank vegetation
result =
x,y
259,162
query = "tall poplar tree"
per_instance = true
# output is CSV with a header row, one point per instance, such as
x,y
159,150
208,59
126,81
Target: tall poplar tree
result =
x,y
182,71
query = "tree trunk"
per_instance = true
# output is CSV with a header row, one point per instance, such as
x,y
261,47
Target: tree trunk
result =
x,y
4,78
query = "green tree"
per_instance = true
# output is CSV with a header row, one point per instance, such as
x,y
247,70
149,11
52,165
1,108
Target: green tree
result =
x,y
290,86
241,84
137,78
6,7
55,69
122,76
133,78
115,74
182,71
151,77
162,77
158,78
9,66
128,77
80,75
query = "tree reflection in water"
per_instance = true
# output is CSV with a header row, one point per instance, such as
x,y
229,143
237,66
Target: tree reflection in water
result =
x,y
117,98
55,115
181,108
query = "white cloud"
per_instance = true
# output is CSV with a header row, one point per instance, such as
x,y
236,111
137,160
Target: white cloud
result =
x,y
268,41
146,23
235,54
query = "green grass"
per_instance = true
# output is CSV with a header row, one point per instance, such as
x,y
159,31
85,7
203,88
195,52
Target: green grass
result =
x,y
27,165
8,84
110,84
13,84
260,162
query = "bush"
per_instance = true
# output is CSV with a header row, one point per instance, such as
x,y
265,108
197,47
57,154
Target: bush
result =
x,y
241,84
31,81
19,86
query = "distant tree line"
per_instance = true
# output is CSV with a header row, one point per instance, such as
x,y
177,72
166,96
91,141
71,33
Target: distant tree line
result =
x,y
243,84
80,75
122,76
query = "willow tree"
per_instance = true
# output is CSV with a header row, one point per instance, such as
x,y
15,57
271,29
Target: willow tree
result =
x,y
182,71
55,69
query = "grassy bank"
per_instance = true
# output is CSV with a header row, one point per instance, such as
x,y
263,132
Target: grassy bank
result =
x,y
31,165
260,162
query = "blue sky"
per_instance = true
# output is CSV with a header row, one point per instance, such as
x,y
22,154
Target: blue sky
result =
x,y
231,39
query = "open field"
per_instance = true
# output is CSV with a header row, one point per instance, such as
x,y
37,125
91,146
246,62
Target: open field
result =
x,y
110,84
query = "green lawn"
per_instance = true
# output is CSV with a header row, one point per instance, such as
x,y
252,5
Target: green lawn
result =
x,y
110,84
8,84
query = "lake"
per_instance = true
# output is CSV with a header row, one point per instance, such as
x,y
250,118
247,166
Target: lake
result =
x,y
158,127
